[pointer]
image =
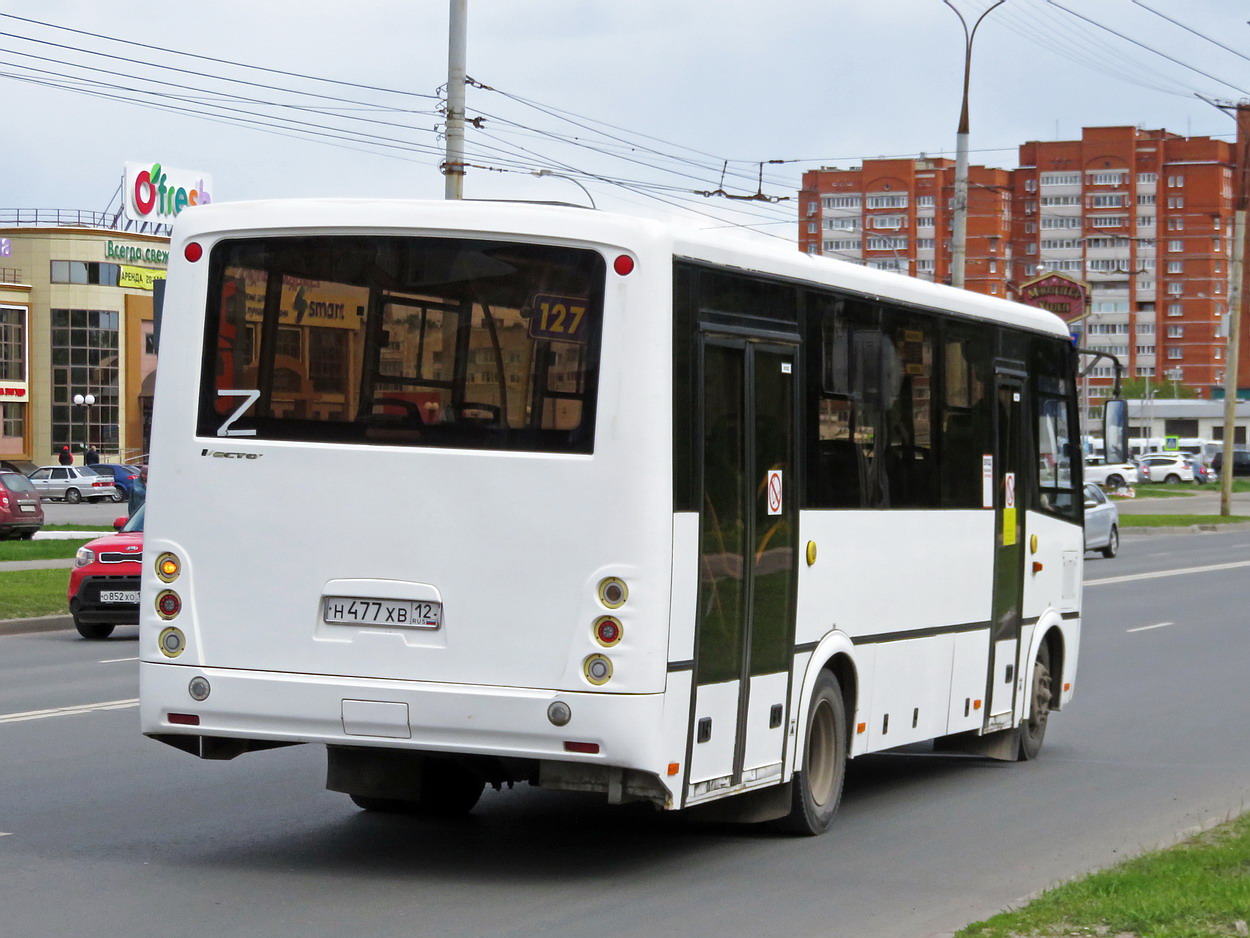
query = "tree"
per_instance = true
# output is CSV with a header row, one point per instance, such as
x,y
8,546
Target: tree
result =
x,y
1138,389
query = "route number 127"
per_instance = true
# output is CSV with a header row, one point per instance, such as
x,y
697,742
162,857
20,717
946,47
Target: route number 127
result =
x,y
558,317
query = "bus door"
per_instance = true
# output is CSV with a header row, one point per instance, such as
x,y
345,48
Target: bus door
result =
x,y
748,520
1008,548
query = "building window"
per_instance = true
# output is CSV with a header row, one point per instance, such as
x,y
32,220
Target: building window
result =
x,y
1107,201
1147,179
1145,328
1146,199
1145,221
101,274
1063,200
1107,179
842,201
12,344
1107,221
1176,201
886,201
1175,352
1176,246
925,201
1145,371
1176,331
926,244
1175,182
85,361
888,221
1061,179
1176,267
1176,224
1175,288
843,224
1174,309
1030,185
924,221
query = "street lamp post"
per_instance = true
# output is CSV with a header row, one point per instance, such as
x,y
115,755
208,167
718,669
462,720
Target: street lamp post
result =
x,y
959,239
85,401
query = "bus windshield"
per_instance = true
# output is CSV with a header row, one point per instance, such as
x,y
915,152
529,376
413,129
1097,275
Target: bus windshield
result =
x,y
411,341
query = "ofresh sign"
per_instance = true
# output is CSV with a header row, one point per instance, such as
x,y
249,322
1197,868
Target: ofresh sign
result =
x,y
157,193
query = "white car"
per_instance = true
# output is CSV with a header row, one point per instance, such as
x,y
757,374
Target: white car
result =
x,y
1102,522
1109,475
1171,468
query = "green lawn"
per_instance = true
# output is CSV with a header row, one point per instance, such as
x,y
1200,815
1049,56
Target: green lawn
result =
x,y
1198,889
1176,521
39,550
28,593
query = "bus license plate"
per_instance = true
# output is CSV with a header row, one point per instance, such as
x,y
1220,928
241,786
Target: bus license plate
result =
x,y
396,613
119,596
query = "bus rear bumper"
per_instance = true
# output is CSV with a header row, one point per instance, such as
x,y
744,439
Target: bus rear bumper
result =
x,y
622,730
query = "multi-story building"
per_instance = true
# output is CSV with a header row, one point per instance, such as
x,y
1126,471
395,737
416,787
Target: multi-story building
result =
x,y
896,215
1144,217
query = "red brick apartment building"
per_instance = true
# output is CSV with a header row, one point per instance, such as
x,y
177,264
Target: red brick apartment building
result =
x,y
1142,216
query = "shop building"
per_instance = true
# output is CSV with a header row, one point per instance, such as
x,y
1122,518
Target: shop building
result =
x,y
76,319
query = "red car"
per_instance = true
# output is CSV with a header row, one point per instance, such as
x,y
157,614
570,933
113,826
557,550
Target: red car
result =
x,y
21,508
104,584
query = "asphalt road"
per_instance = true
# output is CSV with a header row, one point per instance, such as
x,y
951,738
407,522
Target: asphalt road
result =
x,y
105,833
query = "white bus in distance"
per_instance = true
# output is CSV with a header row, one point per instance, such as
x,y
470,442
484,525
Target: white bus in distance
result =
x,y
638,509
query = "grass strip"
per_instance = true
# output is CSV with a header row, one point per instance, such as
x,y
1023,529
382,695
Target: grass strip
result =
x,y
39,550
1197,889
1177,521
77,527
1164,491
28,593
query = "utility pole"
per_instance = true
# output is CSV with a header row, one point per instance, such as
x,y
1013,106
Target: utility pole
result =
x,y
1236,302
959,236
457,43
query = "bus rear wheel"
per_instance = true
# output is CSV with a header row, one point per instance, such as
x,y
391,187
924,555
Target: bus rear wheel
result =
x,y
448,789
1033,729
817,787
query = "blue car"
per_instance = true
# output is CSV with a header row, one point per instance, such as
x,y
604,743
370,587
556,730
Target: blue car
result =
x,y
123,477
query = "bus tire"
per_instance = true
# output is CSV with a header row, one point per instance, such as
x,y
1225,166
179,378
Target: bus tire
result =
x,y
816,788
1033,729
448,789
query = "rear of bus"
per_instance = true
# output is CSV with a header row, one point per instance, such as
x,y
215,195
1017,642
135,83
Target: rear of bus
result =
x,y
411,497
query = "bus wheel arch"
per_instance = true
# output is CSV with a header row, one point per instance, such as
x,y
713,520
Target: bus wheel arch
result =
x,y
1044,676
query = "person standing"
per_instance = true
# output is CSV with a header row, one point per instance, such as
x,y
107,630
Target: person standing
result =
x,y
138,491
65,457
90,457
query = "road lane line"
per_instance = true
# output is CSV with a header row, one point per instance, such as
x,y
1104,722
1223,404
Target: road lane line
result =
x,y
115,660
1146,628
68,711
1133,577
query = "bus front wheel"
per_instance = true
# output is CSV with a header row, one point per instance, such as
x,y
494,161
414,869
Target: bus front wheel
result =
x,y
817,787
1033,729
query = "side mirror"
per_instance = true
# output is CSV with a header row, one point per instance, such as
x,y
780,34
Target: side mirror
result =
x,y
1115,430
119,523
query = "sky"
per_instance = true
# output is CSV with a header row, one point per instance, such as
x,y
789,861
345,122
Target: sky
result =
x,y
637,106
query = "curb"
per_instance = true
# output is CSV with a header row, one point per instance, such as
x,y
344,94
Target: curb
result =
x,y
38,624
1153,529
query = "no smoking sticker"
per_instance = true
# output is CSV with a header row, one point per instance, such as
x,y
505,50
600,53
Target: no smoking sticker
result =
x,y
774,491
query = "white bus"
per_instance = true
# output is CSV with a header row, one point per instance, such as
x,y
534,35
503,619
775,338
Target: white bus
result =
x,y
488,493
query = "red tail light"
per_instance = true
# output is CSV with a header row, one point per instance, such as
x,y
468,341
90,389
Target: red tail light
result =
x,y
589,748
186,719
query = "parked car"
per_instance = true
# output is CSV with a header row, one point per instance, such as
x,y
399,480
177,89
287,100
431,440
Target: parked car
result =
x,y
123,477
1102,522
1201,473
1170,468
1241,463
1113,475
21,508
72,483
104,583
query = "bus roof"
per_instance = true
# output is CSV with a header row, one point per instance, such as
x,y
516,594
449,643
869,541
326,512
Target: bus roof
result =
x,y
574,223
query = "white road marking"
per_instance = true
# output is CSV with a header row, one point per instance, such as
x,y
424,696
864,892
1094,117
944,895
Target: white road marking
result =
x,y
1146,628
1106,581
115,660
68,711
6,834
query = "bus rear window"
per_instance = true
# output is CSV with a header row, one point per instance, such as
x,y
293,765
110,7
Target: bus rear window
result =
x,y
404,341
